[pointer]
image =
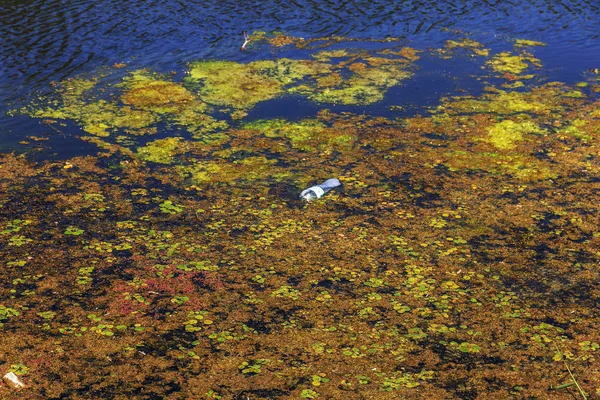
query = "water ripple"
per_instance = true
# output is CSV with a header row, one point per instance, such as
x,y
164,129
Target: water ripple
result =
x,y
45,40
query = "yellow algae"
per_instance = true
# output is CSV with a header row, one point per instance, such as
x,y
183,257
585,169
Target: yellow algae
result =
x,y
220,171
288,71
305,135
468,44
279,39
162,150
327,55
513,85
73,88
147,92
330,80
296,132
594,113
504,134
274,39
506,62
576,94
461,197
197,123
100,118
526,168
577,129
355,92
520,166
135,120
379,61
408,53
527,43
227,83
156,95
365,85
241,86
145,99
541,100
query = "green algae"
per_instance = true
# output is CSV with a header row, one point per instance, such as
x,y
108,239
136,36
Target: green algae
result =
x,y
367,83
201,126
508,63
541,100
466,44
306,135
236,85
146,92
162,150
144,99
527,43
227,83
249,169
504,134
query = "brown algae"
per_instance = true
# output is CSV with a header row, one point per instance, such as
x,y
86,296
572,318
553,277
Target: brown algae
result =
x,y
459,261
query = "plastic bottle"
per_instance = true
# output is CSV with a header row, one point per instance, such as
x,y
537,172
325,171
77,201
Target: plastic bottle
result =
x,y
318,191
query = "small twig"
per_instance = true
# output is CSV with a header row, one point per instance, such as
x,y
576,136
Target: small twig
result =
x,y
563,386
49,124
246,40
576,384
572,378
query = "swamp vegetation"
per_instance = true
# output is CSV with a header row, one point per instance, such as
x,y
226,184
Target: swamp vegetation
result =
x,y
460,259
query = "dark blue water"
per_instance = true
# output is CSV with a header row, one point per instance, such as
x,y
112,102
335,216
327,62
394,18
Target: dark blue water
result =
x,y
46,41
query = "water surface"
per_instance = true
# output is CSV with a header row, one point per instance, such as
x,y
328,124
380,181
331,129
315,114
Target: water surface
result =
x,y
153,244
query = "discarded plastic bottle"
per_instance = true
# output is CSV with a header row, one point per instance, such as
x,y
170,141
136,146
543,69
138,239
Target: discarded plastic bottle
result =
x,y
318,191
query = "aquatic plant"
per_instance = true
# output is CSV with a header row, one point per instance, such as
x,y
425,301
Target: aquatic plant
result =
x,y
253,367
465,238
73,231
309,394
504,134
508,63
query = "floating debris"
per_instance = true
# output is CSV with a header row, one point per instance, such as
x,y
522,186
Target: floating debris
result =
x,y
318,191
12,380
246,41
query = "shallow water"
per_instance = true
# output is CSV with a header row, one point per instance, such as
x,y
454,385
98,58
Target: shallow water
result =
x,y
153,244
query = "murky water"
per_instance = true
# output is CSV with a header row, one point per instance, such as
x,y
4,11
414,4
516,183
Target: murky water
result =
x,y
153,245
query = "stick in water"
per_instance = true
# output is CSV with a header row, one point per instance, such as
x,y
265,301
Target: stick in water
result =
x,y
246,41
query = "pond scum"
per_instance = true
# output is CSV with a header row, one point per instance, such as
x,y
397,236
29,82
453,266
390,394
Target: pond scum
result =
x,y
460,260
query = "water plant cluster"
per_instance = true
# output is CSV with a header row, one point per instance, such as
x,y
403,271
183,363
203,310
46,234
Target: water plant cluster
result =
x,y
459,260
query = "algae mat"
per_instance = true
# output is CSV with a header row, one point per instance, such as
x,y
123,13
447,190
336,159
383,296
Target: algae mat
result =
x,y
460,260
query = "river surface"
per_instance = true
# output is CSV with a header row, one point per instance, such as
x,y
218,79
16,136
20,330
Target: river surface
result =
x,y
48,41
